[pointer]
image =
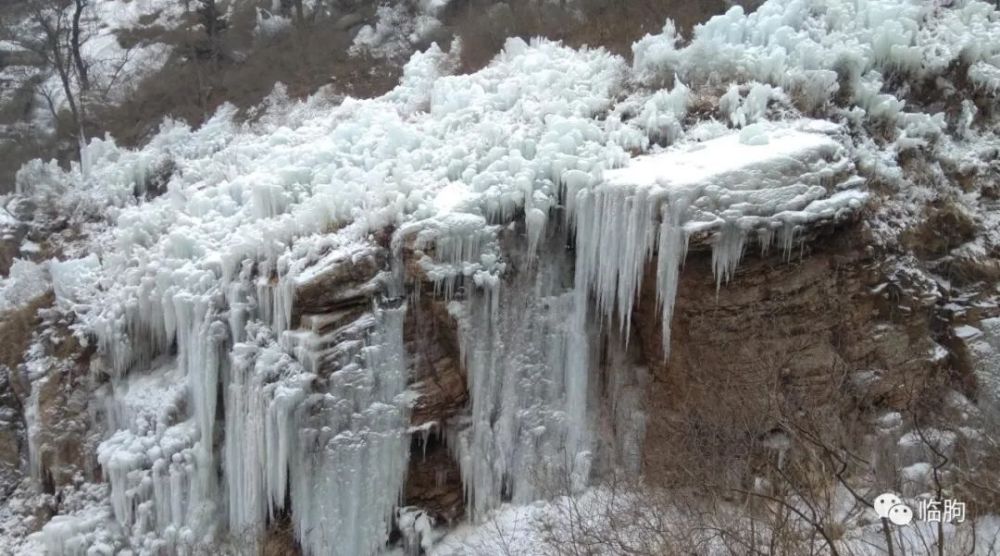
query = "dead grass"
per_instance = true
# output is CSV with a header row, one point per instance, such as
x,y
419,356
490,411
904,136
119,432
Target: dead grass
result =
x,y
192,86
944,226
612,24
16,328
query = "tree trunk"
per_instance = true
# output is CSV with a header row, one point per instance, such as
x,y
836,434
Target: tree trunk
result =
x,y
75,43
56,43
76,110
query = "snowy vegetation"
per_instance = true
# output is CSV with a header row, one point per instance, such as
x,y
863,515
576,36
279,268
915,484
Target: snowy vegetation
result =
x,y
181,261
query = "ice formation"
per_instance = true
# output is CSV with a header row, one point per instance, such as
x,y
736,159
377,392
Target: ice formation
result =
x,y
398,28
723,187
528,382
197,291
26,281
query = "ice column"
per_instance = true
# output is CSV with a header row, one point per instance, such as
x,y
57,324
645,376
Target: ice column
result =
x,y
265,388
527,349
351,452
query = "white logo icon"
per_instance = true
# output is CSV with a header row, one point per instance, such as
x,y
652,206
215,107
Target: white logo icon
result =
x,y
900,514
891,507
885,502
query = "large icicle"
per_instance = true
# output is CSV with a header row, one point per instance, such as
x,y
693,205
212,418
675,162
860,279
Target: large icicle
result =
x,y
153,460
526,348
265,390
351,453
672,245
779,179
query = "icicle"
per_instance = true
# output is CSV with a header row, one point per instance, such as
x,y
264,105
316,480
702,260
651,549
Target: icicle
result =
x,y
265,388
534,220
268,200
151,478
727,250
33,429
615,236
347,472
766,237
526,347
672,249
626,393
787,238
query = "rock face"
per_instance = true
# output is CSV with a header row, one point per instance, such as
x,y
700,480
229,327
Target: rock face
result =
x,y
16,330
434,481
826,330
12,232
333,306
62,435
11,436
437,375
340,281
783,339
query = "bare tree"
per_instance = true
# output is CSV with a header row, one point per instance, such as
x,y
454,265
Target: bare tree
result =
x,y
755,473
211,17
54,31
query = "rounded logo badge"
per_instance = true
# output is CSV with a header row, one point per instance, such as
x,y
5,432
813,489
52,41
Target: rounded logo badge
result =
x,y
891,507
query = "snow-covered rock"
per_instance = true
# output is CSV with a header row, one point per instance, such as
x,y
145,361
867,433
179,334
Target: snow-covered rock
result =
x,y
271,281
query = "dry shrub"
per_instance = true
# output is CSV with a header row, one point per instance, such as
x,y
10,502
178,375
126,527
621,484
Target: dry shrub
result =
x,y
192,85
612,24
16,328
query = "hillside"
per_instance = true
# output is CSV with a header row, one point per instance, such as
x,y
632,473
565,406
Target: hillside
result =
x,y
684,288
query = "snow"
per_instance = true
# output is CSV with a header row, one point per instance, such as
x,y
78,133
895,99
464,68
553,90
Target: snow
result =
x,y
190,294
919,473
397,28
801,47
26,282
984,349
600,521
7,220
446,160
727,187
73,280
966,332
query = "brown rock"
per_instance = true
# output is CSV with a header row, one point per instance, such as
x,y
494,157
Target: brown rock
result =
x,y
434,481
11,436
59,400
436,374
341,279
10,246
783,339
279,538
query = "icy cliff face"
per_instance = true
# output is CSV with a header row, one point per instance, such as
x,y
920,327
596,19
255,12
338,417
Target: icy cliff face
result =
x,y
249,320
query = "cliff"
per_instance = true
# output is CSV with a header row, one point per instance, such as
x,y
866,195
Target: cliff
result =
x,y
750,277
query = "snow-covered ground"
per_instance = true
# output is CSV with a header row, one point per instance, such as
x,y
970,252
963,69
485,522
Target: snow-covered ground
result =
x,y
598,521
545,131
